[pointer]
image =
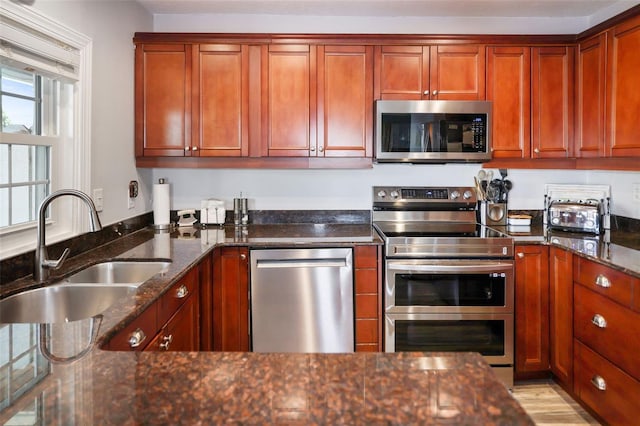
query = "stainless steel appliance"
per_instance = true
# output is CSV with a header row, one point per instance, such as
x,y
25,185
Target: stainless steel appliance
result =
x,y
577,208
302,300
433,131
448,280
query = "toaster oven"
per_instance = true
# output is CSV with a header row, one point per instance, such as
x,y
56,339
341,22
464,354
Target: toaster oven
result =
x,y
582,216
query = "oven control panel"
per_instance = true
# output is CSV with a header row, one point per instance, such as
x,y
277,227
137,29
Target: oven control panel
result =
x,y
424,195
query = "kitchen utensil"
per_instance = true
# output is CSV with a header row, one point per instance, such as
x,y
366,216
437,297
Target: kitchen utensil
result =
x,y
480,194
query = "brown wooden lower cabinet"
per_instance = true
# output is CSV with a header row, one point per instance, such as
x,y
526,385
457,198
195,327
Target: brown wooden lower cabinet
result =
x,y
368,303
170,323
531,310
607,390
231,299
180,333
561,315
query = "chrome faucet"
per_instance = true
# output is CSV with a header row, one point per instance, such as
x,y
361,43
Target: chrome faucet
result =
x,y
43,264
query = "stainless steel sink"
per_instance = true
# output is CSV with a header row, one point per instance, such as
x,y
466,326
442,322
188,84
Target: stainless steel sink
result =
x,y
61,302
118,272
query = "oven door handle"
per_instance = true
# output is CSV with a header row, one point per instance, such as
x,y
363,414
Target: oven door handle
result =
x,y
497,267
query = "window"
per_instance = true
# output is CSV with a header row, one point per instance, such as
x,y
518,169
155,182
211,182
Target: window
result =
x,y
25,172
45,140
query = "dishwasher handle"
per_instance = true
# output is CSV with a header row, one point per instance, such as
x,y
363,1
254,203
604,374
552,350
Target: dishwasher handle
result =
x,y
302,263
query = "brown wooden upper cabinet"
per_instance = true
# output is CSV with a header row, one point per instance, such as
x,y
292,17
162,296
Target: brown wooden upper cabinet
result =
x,y
289,103
318,101
623,90
532,93
220,92
590,95
606,93
163,100
443,72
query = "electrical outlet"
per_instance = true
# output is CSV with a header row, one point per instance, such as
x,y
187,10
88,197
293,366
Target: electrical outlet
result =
x,y
98,199
131,202
635,190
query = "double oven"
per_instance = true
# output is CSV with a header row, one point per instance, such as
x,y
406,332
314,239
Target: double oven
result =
x,y
448,281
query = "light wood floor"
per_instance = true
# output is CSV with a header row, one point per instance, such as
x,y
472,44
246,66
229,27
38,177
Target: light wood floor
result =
x,y
548,404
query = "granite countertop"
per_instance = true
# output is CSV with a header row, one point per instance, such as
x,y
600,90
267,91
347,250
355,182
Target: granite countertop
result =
x,y
107,387
617,249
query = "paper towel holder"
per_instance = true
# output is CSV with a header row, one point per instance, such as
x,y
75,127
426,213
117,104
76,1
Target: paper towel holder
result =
x,y
161,226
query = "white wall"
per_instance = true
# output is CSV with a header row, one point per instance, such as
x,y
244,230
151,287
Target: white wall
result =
x,y
111,25
351,189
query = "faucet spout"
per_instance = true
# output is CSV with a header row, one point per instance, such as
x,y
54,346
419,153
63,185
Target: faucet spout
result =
x,y
42,263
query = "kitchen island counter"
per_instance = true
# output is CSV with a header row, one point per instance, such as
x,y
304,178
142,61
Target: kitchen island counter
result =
x,y
233,387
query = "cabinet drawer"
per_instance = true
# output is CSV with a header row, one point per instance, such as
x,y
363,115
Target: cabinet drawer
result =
x,y
177,295
618,340
365,256
618,403
609,282
137,335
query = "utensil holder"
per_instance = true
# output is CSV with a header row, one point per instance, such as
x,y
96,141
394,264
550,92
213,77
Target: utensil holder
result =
x,y
492,214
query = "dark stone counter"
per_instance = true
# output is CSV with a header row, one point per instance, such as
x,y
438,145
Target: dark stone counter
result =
x,y
617,248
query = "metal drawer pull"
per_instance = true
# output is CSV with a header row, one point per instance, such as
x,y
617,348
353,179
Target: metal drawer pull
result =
x,y
166,341
599,321
602,281
136,338
599,383
182,292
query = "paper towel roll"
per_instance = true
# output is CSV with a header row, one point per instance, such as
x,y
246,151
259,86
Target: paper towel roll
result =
x,y
161,205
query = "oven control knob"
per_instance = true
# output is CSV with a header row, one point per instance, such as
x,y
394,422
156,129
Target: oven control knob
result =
x,y
467,194
455,195
382,194
394,194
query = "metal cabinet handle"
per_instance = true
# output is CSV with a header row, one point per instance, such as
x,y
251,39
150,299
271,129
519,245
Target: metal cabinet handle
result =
x,y
187,148
536,150
599,383
166,341
136,338
426,92
603,281
321,149
243,256
599,321
520,255
435,93
195,148
182,292
313,148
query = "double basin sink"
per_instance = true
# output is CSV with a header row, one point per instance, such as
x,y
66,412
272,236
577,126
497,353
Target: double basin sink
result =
x,y
84,294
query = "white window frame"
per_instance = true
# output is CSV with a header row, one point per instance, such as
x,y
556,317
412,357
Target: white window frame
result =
x,y
38,36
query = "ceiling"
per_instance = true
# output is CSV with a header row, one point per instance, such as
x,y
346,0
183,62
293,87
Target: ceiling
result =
x,y
396,8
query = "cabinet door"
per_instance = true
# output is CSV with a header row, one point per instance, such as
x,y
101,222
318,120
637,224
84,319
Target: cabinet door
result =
x,y
623,97
552,102
561,315
590,95
290,101
205,293
368,301
163,100
221,100
345,101
231,299
532,309
457,72
509,88
402,72
181,333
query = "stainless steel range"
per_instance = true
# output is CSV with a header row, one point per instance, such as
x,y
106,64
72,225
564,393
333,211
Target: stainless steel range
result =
x,y
448,280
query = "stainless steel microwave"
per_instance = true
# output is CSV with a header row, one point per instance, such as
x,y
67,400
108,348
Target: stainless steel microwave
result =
x,y
433,131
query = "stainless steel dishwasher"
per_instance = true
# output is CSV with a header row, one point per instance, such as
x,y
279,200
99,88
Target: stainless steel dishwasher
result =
x,y
302,300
